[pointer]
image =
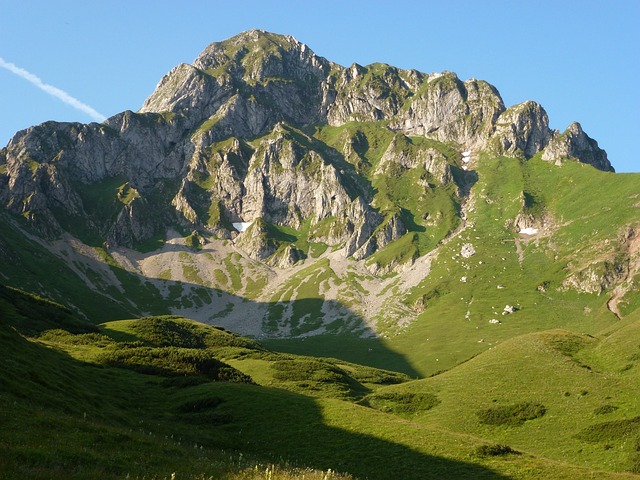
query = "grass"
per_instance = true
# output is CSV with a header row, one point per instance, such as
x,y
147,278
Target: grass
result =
x,y
185,418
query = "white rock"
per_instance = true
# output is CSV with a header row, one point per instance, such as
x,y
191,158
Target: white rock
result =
x,y
508,309
467,250
529,231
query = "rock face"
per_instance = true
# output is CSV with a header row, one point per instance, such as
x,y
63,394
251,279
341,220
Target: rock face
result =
x,y
575,144
521,130
231,138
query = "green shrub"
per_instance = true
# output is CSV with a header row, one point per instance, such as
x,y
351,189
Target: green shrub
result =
x,y
180,332
604,409
495,450
316,376
401,403
67,338
173,361
200,405
293,370
613,430
512,415
167,332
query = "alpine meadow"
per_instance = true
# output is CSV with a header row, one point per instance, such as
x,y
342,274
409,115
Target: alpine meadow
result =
x,y
280,267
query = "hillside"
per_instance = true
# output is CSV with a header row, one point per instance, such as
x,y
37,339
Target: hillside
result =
x,y
106,404
376,255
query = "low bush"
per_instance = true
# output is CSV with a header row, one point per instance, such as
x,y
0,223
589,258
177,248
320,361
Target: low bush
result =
x,y
401,403
494,450
179,332
200,405
613,430
604,409
511,415
67,338
173,361
166,332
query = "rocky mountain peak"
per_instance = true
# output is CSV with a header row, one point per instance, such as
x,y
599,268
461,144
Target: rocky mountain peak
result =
x,y
259,126
575,144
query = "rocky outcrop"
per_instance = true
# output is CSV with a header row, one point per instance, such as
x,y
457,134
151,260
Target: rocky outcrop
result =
x,y
402,155
449,110
521,130
577,145
257,241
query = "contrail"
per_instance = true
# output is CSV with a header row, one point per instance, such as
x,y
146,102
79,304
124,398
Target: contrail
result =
x,y
53,91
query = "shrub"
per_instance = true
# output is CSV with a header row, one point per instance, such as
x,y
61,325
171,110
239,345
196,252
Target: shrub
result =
x,y
613,430
67,338
164,332
604,409
200,405
512,415
305,369
173,361
495,450
179,332
401,403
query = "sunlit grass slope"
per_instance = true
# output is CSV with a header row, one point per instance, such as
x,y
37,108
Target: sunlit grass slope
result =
x,y
555,393
201,402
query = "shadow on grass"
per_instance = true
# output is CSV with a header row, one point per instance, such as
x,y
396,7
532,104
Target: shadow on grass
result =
x,y
38,269
72,418
336,435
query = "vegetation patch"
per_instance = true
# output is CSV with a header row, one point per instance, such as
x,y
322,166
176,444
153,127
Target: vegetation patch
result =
x,y
68,338
611,431
604,409
511,415
401,403
494,450
169,331
314,376
172,361
199,405
166,332
567,343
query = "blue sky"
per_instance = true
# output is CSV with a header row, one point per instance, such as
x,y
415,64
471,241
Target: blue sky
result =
x,y
579,59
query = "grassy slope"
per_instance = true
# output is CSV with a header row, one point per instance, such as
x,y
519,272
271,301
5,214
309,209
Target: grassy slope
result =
x,y
541,368
64,417
497,275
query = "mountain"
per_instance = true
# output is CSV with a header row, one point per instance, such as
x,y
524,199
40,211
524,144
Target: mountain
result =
x,y
269,190
361,227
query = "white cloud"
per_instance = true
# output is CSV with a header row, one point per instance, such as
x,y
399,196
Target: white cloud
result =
x,y
53,91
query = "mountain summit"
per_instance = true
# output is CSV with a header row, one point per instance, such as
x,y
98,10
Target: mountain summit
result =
x,y
271,159
259,84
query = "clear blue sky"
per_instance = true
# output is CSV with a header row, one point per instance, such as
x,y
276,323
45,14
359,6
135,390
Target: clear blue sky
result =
x,y
579,58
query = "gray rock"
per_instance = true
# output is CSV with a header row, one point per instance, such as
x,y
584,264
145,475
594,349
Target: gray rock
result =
x,y
577,145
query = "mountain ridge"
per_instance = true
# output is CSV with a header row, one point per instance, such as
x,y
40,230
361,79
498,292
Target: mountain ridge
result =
x,y
359,177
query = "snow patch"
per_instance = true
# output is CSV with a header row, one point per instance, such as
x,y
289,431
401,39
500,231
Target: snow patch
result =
x,y
529,231
241,226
